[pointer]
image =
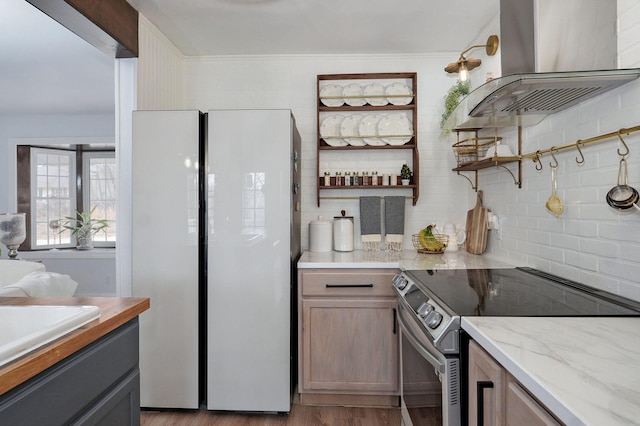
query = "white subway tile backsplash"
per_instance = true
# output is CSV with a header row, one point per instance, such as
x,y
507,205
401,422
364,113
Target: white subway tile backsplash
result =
x,y
552,254
615,232
582,195
581,260
600,247
604,282
614,267
581,228
630,252
540,237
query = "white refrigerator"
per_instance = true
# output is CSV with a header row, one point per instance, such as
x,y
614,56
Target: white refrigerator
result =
x,y
165,254
253,240
216,217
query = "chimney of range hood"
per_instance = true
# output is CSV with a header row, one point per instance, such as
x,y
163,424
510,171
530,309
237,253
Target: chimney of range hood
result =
x,y
557,35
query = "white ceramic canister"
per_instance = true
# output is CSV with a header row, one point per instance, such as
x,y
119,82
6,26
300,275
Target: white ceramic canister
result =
x,y
320,235
343,232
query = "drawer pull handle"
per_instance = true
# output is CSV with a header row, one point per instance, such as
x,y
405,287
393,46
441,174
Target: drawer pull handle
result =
x,y
349,285
395,321
481,386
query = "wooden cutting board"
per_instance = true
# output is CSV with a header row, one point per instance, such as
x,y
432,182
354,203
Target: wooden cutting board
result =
x,y
476,242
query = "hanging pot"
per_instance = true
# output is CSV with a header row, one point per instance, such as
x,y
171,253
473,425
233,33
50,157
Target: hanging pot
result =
x,y
622,196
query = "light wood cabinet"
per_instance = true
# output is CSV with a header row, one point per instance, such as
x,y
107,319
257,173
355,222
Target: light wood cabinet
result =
x,y
496,398
522,409
348,337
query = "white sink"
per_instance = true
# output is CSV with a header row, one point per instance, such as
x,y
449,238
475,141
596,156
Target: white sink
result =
x,y
25,328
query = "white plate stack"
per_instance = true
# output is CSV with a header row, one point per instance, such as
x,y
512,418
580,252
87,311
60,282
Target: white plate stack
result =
x,y
374,94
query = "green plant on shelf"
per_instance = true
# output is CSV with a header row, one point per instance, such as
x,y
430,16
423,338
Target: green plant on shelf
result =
x,y
405,172
451,101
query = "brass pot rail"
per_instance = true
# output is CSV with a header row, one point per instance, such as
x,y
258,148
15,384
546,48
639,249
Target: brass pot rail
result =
x,y
535,156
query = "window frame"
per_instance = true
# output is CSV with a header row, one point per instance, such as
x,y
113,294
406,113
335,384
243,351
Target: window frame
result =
x,y
20,179
87,205
35,198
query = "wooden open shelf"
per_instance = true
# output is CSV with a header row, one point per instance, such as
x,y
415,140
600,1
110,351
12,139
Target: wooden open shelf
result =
x,y
411,145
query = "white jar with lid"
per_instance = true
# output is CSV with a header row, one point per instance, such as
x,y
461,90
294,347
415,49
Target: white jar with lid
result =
x,y
320,236
343,232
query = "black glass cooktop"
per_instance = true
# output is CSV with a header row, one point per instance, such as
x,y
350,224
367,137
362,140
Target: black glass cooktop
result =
x,y
518,292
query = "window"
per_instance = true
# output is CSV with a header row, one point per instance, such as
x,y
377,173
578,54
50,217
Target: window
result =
x,y
60,182
99,179
52,173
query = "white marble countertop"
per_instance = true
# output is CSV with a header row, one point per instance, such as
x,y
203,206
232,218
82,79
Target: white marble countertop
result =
x,y
585,370
405,260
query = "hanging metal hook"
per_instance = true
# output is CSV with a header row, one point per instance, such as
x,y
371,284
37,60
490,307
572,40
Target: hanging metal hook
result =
x,y
537,160
626,147
553,166
581,160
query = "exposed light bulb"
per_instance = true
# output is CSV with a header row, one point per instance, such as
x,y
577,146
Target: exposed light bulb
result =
x,y
463,73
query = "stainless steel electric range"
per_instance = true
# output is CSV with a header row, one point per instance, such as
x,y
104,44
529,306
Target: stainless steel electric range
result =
x,y
433,345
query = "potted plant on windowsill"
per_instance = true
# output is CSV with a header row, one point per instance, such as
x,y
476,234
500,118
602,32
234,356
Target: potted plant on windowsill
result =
x,y
84,227
405,174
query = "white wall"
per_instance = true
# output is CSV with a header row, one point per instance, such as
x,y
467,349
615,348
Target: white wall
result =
x,y
290,82
93,270
590,242
160,70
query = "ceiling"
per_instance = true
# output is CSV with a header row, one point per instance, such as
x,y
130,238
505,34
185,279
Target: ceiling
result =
x,y
48,70
229,27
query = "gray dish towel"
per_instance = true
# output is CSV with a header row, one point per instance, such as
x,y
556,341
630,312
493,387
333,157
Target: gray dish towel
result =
x,y
370,223
394,222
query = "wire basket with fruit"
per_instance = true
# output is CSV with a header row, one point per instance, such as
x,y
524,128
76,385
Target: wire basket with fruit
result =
x,y
429,243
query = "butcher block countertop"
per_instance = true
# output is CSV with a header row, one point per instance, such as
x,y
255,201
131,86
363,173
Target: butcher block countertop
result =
x,y
114,312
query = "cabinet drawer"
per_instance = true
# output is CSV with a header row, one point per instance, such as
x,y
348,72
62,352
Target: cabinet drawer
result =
x,y
348,282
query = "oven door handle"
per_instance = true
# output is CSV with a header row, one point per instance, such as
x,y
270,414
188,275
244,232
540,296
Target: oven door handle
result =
x,y
438,365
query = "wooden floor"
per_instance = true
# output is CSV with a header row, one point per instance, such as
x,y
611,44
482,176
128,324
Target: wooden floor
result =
x,y
300,415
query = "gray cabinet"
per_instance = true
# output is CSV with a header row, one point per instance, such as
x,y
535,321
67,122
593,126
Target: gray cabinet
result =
x,y
98,385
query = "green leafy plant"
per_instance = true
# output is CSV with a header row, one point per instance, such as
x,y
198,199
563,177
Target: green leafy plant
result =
x,y
451,101
405,172
83,225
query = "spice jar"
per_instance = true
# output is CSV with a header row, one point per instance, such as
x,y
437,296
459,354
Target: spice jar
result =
x,y
327,179
356,179
347,178
365,178
374,178
338,179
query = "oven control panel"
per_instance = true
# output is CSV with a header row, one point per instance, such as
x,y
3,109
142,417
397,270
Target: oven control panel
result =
x,y
434,320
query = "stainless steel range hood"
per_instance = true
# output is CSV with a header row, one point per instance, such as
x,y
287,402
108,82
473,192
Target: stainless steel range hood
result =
x,y
543,43
525,99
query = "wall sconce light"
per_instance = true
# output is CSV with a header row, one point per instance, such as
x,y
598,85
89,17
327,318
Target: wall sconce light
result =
x,y
463,65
